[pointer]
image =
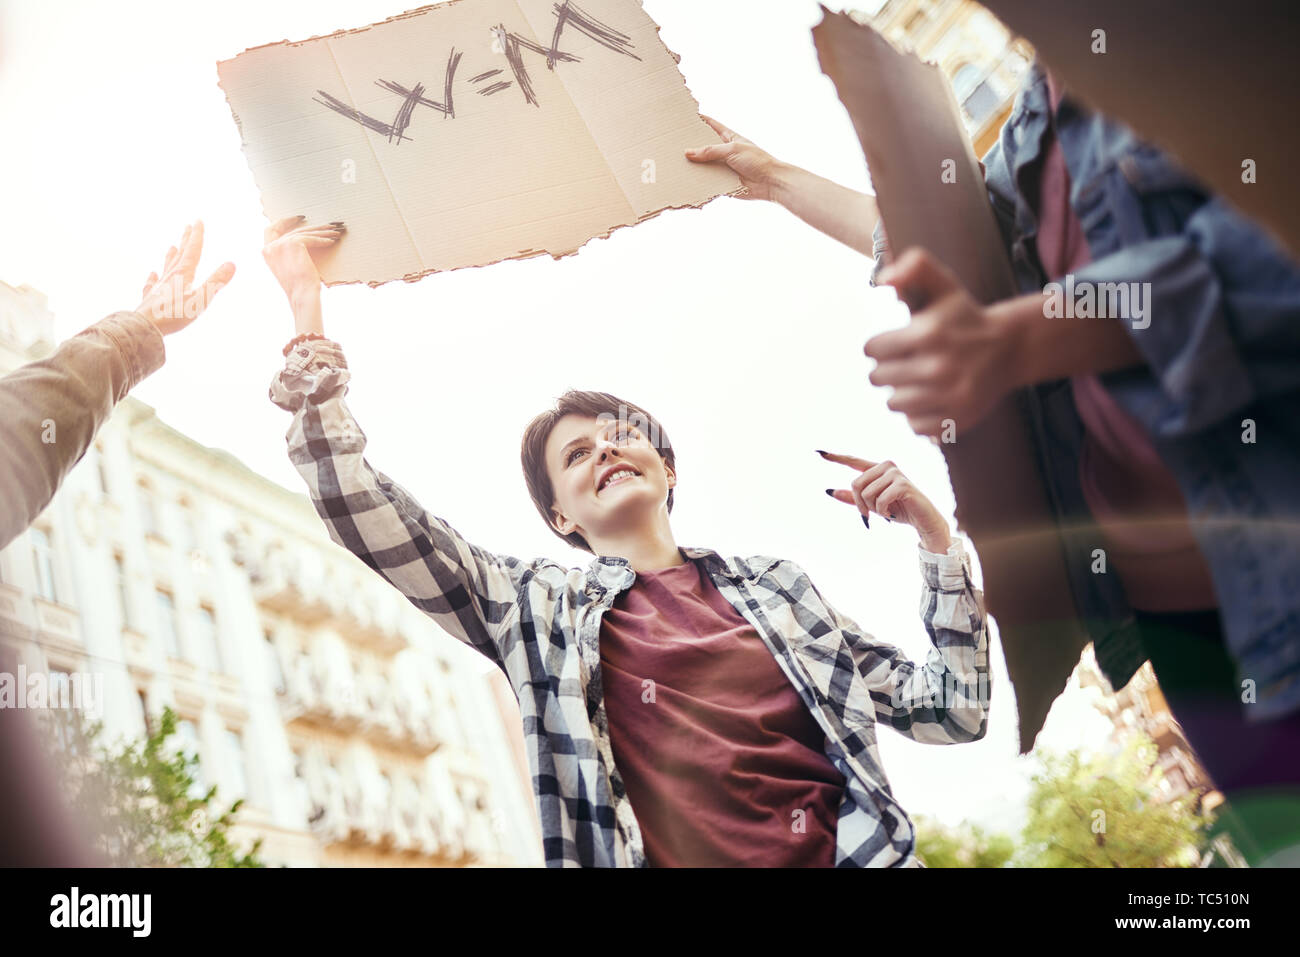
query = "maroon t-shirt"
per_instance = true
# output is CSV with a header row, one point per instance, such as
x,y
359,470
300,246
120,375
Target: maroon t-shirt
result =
x,y
714,745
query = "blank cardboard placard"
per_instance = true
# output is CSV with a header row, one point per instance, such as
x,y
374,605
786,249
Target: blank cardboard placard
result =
x,y
931,195
471,132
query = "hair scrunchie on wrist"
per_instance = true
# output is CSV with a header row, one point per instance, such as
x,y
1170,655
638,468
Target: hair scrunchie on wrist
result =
x,y
301,337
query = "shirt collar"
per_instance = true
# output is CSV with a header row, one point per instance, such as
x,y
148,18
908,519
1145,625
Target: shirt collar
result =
x,y
734,568
607,572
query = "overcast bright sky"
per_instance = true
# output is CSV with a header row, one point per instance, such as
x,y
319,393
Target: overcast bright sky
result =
x,y
738,326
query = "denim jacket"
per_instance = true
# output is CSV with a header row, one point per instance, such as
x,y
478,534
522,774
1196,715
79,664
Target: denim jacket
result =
x,y
1222,350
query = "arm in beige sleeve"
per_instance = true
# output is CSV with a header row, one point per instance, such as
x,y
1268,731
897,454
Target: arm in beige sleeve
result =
x,y
51,409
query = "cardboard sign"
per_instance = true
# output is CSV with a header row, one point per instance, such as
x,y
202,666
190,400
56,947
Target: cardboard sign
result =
x,y
470,132
909,127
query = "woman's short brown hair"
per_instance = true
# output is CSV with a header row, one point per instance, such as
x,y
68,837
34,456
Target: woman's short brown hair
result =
x,y
597,405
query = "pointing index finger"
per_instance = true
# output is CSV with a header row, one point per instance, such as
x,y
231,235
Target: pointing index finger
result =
x,y
860,464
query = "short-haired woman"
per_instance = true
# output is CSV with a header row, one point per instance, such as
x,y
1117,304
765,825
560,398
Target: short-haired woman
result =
x,y
680,708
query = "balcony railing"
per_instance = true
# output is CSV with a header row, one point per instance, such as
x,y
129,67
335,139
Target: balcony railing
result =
x,y
341,811
310,590
58,624
276,589
368,706
15,615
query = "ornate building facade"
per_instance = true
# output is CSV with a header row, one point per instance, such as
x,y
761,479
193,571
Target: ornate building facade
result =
x,y
982,58
357,731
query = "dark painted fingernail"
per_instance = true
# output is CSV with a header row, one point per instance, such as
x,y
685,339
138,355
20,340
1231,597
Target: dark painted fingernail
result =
x,y
302,217
865,522
820,451
830,492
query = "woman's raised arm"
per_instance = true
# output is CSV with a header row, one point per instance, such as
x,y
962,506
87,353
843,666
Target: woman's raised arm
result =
x,y
839,212
944,699
468,591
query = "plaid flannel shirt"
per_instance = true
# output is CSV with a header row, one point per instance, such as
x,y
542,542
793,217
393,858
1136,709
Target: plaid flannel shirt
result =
x,y
539,621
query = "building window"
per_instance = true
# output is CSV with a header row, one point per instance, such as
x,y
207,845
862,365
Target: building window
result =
x,y
410,799
982,102
59,690
148,510
144,710
189,743
184,527
273,659
974,92
303,789
43,556
964,80
123,592
333,780
101,471
167,623
235,768
208,640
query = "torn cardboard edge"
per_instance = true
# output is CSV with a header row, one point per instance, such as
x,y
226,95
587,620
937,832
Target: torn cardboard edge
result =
x,y
557,250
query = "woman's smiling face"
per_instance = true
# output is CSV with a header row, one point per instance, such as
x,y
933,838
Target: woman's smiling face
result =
x,y
606,474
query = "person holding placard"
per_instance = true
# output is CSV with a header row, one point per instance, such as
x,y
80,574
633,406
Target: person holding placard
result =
x,y
1155,343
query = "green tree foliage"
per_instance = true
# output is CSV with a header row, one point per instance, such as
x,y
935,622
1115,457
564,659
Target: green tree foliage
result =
x,y
965,846
1083,811
1103,811
139,799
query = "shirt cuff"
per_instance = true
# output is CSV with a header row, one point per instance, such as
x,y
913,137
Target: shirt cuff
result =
x,y
139,341
948,570
313,370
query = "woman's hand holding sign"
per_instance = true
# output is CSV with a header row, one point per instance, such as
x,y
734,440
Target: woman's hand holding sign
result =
x,y
288,253
957,359
954,361
836,210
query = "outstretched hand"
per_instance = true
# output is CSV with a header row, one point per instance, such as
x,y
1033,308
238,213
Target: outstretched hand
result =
x,y
758,170
168,301
881,487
